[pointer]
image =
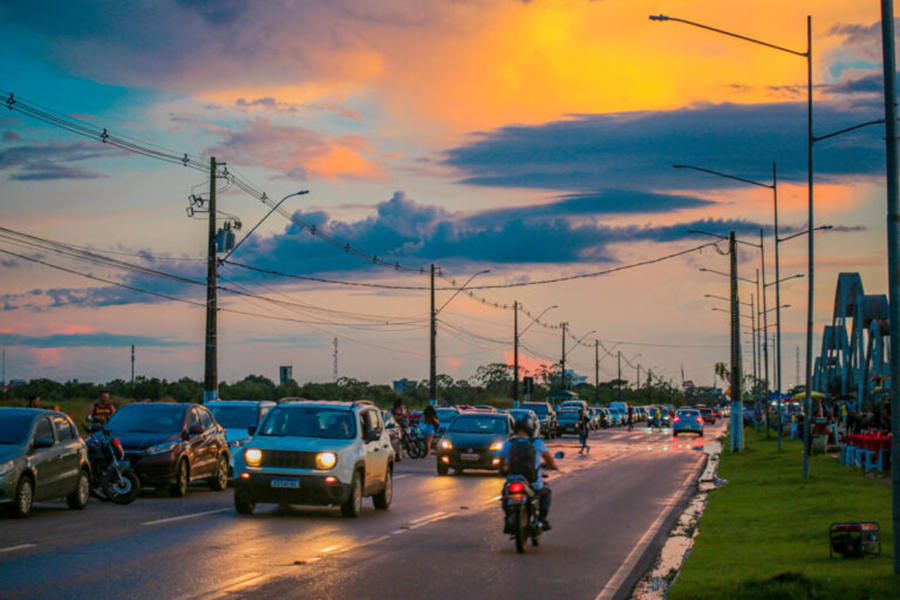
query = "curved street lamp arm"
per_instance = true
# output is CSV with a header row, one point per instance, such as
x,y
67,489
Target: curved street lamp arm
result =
x,y
728,33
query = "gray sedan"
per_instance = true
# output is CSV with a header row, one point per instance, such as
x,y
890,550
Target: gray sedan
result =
x,y
42,457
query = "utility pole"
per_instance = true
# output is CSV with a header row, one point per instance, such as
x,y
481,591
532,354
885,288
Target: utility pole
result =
x,y
433,372
619,382
334,373
637,383
778,306
211,375
132,363
765,326
597,372
563,361
649,389
4,366
753,346
516,353
893,227
737,396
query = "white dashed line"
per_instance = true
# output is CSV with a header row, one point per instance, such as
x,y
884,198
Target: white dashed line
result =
x,y
183,517
19,547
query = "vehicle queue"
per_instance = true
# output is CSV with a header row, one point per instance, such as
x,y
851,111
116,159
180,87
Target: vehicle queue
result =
x,y
291,451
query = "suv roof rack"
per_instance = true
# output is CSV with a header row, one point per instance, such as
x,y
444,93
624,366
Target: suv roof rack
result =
x,y
362,403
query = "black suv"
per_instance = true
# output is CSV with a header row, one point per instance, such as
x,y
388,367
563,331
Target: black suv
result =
x,y
171,445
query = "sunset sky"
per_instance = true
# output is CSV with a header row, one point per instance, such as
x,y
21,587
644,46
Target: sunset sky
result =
x,y
532,138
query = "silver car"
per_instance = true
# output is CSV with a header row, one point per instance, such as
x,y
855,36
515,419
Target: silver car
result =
x,y
42,457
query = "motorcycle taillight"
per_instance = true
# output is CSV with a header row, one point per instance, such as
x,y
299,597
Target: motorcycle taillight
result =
x,y
120,452
516,487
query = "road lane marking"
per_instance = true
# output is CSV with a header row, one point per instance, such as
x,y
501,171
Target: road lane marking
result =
x,y
431,516
434,520
243,585
615,582
19,547
328,549
403,476
183,517
226,585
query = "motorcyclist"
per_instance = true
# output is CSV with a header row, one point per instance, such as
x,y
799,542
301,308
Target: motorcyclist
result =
x,y
101,410
525,428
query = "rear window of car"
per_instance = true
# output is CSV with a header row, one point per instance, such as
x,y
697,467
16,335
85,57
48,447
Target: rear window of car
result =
x,y
480,424
309,421
236,417
688,413
540,410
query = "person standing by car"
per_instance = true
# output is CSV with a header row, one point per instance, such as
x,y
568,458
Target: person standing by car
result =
x,y
34,401
102,410
630,418
584,428
430,423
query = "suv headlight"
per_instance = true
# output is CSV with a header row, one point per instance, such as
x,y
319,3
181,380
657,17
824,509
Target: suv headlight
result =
x,y
252,457
446,445
496,446
326,460
161,448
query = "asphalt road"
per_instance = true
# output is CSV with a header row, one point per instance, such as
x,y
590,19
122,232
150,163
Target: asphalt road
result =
x,y
442,537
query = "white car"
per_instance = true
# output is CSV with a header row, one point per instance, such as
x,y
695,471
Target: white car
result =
x,y
317,453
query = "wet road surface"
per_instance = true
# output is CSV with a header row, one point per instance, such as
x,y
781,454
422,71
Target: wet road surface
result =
x,y
441,538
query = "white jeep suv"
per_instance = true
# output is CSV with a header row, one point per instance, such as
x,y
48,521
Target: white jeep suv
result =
x,y
319,453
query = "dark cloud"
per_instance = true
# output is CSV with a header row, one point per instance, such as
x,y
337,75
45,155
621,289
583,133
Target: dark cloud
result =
x,y
11,136
85,340
636,150
52,160
868,84
602,202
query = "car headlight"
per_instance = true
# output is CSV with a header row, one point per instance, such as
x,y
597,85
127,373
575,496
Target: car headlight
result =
x,y
446,445
161,448
496,446
6,467
252,457
326,460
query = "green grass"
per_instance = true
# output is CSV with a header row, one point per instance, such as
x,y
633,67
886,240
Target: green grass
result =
x,y
75,408
765,533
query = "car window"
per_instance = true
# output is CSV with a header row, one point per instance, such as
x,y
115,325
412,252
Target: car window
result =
x,y
309,421
476,424
236,417
63,429
371,420
205,419
42,429
148,418
14,429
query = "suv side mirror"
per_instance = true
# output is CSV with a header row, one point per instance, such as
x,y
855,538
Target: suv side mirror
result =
x,y
43,442
251,430
371,435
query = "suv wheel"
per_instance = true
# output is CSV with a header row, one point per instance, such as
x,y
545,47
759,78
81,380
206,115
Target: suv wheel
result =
x,y
383,499
353,506
242,506
78,499
219,481
179,488
24,498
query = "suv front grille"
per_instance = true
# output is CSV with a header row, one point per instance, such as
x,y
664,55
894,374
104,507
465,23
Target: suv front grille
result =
x,y
288,459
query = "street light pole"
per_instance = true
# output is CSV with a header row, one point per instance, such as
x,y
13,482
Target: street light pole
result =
x,y
737,401
765,326
777,302
563,360
893,227
516,353
211,373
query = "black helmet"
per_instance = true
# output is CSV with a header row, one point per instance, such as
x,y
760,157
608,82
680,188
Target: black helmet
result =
x,y
526,423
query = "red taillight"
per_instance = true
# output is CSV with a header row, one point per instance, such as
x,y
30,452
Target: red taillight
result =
x,y
676,420
699,419
516,487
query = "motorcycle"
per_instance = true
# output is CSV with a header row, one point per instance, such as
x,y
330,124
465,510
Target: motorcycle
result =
x,y
412,439
522,509
112,477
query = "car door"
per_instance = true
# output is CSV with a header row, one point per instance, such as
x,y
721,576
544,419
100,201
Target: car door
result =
x,y
211,449
46,461
195,444
374,453
69,453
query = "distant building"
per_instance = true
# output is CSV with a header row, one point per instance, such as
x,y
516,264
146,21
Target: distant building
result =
x,y
401,386
285,374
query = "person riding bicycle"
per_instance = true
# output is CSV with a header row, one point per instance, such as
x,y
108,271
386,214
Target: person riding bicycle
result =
x,y
525,428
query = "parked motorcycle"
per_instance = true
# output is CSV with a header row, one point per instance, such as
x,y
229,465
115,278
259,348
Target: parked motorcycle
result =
x,y
412,439
112,477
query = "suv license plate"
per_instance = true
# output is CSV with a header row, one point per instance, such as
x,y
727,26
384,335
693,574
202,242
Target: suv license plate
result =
x,y
292,484
469,456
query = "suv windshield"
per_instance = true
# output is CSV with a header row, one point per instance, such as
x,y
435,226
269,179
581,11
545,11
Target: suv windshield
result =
x,y
148,418
236,417
14,429
446,414
478,424
539,409
310,421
